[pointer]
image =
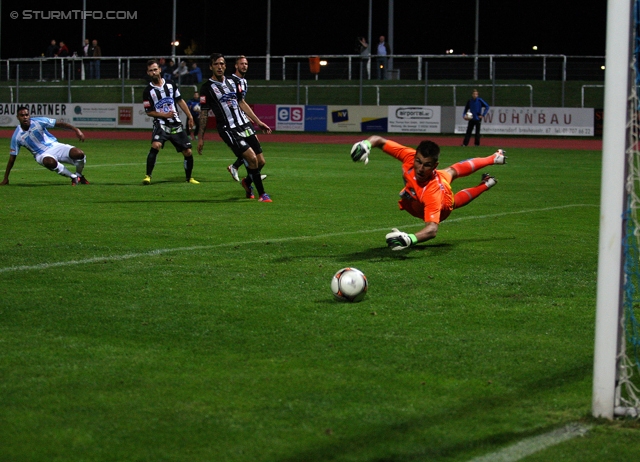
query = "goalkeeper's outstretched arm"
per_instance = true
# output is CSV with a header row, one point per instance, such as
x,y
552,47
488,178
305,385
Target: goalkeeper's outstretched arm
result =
x,y
376,141
399,240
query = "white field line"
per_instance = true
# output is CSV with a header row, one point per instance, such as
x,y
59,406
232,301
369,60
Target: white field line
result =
x,y
529,446
129,256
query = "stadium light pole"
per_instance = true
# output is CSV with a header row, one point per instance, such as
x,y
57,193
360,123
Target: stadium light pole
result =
x,y
268,63
369,39
390,36
475,61
173,39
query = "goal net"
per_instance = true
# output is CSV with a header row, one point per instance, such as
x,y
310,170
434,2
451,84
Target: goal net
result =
x,y
616,387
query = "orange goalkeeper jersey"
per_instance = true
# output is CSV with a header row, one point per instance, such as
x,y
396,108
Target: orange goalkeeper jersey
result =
x,y
432,201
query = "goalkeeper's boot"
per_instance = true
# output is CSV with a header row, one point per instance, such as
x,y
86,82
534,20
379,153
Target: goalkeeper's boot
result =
x,y
489,180
82,179
265,198
234,172
500,157
193,181
147,180
248,189
74,181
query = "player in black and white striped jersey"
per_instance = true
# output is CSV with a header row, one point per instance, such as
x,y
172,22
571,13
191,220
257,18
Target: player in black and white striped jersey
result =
x,y
242,65
161,100
233,116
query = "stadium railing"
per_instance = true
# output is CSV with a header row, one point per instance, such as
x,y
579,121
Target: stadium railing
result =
x,y
342,67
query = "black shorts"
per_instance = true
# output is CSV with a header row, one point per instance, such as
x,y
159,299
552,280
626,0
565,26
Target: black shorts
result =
x,y
177,135
239,143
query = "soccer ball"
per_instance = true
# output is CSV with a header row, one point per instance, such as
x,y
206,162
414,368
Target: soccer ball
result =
x,y
196,108
468,116
360,152
349,285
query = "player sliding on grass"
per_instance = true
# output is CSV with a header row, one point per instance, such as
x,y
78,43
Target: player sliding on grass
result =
x,y
427,192
47,151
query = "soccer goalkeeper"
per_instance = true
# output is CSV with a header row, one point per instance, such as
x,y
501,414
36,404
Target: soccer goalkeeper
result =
x,y
427,191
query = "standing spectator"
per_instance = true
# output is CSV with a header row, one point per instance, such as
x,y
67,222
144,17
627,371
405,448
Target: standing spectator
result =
x,y
85,55
161,100
195,74
222,96
474,111
168,70
52,50
381,60
94,66
242,66
51,68
365,54
180,74
63,51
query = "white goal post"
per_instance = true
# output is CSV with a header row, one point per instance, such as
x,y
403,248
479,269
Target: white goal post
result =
x,y
620,140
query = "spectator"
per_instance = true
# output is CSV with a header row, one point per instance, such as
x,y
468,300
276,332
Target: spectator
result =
x,y
168,71
181,72
85,54
51,68
383,53
52,50
63,51
94,66
195,74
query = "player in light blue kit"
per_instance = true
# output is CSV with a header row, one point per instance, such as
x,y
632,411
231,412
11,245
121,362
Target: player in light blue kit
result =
x,y
33,135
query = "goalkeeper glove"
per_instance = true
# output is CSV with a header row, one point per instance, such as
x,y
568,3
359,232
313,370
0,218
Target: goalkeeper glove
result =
x,y
360,151
399,240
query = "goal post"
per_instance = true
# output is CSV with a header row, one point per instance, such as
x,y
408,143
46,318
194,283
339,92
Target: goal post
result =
x,y
619,150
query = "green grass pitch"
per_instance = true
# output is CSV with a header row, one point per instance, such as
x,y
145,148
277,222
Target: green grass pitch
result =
x,y
178,322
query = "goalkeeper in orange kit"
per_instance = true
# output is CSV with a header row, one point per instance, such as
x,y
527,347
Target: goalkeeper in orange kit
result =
x,y
427,191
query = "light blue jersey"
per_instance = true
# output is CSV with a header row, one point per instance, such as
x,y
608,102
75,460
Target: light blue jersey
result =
x,y
36,139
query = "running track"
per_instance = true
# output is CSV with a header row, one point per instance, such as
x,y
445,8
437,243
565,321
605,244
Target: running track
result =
x,y
410,140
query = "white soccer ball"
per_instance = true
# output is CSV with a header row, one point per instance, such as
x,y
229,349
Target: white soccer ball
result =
x,y
349,285
196,108
468,115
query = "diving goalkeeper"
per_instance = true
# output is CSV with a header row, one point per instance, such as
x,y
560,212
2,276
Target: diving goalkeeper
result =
x,y
427,191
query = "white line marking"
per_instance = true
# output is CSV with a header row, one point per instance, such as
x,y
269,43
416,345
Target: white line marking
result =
x,y
129,256
534,444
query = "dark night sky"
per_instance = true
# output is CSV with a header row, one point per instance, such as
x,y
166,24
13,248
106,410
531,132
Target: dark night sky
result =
x,y
325,27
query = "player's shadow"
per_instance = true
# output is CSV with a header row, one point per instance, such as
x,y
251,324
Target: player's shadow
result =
x,y
385,253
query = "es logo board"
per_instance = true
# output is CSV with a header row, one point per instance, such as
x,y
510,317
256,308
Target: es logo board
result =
x,y
290,118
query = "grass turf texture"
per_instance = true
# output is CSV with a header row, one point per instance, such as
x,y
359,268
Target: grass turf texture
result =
x,y
181,322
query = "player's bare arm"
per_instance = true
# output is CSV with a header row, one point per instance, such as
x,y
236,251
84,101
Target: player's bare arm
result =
x,y
5,180
376,141
254,118
428,232
187,112
67,126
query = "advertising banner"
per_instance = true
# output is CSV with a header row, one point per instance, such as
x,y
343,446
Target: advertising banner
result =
x,y
414,119
546,121
357,118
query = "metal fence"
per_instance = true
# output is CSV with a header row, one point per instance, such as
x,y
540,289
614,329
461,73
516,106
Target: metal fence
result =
x,y
343,67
